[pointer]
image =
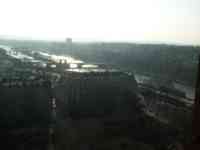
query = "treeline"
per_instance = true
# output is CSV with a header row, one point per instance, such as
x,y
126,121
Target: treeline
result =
x,y
177,63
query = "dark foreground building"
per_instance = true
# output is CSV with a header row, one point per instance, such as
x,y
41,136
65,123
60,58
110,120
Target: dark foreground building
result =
x,y
97,93
99,110
24,115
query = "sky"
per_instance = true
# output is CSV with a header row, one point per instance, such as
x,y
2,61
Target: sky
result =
x,y
165,21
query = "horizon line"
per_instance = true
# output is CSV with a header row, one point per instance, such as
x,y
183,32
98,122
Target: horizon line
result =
x,y
142,42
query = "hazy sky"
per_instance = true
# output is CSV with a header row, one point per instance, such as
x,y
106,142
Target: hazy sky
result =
x,y
170,21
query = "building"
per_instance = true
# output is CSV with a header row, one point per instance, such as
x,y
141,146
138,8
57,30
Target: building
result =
x,y
97,93
69,40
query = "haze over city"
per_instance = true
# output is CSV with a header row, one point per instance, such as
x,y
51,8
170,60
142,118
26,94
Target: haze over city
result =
x,y
100,74
165,21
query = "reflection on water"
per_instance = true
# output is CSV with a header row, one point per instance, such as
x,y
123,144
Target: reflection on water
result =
x,y
142,78
189,91
91,70
58,58
89,66
17,55
73,65
67,58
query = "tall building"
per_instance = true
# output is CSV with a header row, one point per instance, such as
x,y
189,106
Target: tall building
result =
x,y
69,45
69,40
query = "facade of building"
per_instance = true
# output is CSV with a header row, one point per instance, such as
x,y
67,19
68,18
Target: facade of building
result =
x,y
96,93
